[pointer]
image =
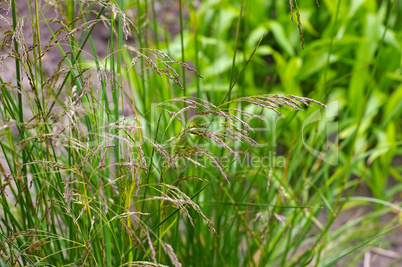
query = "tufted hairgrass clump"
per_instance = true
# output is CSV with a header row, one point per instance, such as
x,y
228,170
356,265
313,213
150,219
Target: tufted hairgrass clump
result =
x,y
126,142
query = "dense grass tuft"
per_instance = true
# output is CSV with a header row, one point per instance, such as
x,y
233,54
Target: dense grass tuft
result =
x,y
212,133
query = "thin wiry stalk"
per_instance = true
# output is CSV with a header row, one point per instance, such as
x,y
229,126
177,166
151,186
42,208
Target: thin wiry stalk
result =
x,y
235,50
241,72
182,46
